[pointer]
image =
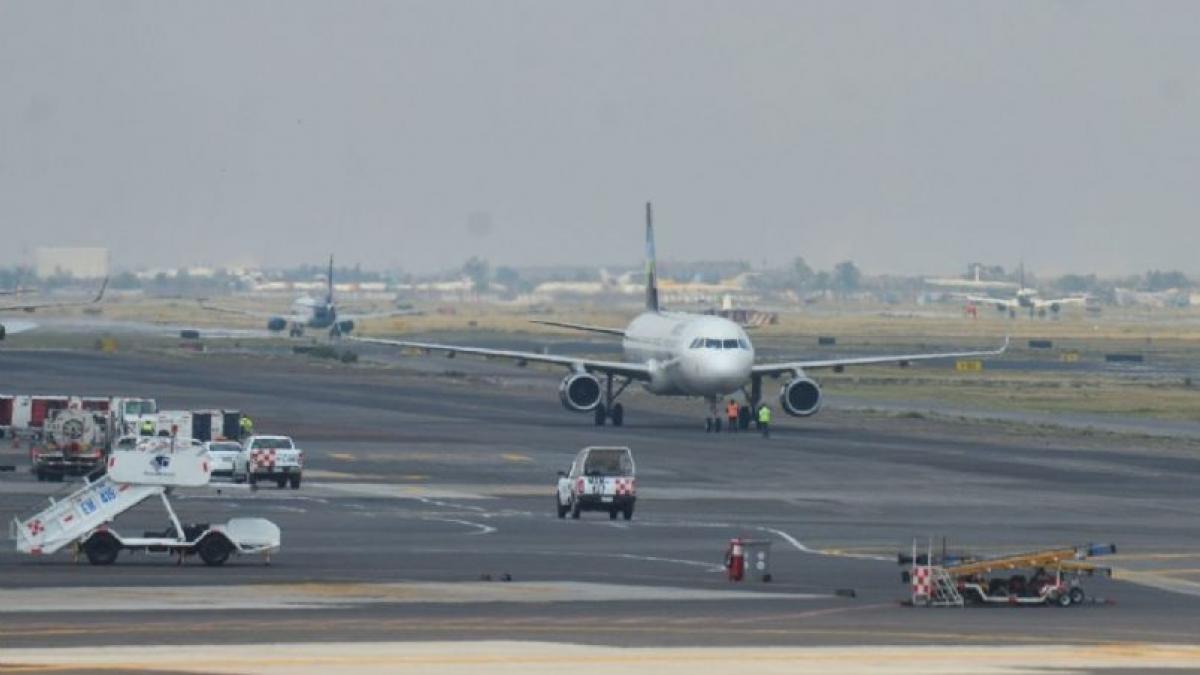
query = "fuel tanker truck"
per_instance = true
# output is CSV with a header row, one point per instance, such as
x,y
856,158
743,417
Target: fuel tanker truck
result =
x,y
74,441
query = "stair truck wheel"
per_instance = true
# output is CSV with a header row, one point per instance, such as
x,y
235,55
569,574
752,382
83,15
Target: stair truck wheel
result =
x,y
294,481
575,510
102,548
281,482
628,512
1077,595
612,514
251,479
214,550
560,507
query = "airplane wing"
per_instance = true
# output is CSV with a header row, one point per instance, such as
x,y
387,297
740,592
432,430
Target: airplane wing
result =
x,y
793,366
377,315
582,327
1039,303
247,312
637,371
1005,303
33,306
14,327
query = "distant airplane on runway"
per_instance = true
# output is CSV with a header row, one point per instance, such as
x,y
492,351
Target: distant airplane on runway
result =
x,y
1026,298
310,312
677,354
30,307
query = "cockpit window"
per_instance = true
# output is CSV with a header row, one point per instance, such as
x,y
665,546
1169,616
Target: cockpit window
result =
x,y
697,343
744,343
710,343
731,344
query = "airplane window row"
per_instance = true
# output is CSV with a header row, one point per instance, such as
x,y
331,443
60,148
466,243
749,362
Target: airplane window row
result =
x,y
714,343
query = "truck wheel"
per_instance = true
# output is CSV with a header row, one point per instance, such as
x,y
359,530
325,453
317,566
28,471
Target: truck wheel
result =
x,y
252,479
1063,600
214,550
575,510
560,507
102,548
1077,596
629,512
41,475
281,482
612,514
294,481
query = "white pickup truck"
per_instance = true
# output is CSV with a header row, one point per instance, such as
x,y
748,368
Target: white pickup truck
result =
x,y
600,479
269,458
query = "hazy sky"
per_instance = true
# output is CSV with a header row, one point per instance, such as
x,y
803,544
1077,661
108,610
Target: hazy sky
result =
x,y
907,136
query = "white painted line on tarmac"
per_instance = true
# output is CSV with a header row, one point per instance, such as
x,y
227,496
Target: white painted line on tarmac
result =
x,y
300,596
799,545
482,529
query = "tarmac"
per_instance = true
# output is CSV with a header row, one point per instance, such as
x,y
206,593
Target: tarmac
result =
x,y
426,522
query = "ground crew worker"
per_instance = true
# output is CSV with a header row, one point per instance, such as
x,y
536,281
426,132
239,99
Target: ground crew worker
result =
x,y
147,428
731,412
764,420
247,425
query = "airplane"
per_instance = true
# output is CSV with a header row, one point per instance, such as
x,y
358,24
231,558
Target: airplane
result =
x,y
310,312
676,354
30,307
1026,298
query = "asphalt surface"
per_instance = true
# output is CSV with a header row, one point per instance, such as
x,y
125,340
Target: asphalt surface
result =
x,y
428,486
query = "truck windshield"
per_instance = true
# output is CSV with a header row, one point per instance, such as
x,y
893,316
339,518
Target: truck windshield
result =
x,y
135,408
273,443
608,463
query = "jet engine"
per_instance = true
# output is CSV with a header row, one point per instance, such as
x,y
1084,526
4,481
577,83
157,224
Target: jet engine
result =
x,y
800,397
276,324
580,392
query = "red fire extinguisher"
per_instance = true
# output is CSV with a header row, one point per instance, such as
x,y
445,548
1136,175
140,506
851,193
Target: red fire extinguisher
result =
x,y
735,560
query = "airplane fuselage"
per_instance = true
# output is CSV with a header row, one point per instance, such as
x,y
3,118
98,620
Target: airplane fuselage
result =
x,y
690,354
313,313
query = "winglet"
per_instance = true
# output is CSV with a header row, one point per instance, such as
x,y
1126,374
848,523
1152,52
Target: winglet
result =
x,y
329,282
651,264
100,293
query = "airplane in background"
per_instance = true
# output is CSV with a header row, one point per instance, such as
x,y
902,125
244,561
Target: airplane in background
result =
x,y
12,328
676,354
310,312
1026,298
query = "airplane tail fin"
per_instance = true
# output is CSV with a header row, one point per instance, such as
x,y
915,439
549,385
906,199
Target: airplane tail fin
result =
x,y
651,265
329,282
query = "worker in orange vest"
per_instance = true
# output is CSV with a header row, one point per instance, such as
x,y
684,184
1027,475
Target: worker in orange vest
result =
x,y
731,411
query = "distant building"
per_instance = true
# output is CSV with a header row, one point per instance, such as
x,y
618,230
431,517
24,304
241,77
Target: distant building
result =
x,y
79,263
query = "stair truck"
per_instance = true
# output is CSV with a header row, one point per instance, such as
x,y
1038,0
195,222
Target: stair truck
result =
x,y
1049,576
156,466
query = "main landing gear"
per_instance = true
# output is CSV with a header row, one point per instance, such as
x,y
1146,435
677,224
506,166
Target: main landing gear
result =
x,y
609,409
296,331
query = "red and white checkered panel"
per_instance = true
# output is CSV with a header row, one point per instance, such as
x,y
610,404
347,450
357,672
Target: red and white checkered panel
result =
x,y
263,457
625,486
921,583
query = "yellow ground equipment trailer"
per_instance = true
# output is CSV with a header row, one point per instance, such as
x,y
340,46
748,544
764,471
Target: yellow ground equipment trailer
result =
x,y
1049,576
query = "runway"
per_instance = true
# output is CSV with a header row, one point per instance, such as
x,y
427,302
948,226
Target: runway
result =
x,y
425,493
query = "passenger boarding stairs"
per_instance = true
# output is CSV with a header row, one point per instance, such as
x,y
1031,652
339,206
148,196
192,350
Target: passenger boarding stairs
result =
x,y
133,476
69,519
